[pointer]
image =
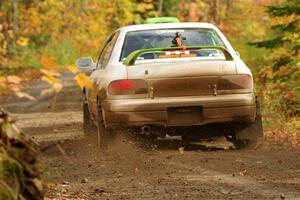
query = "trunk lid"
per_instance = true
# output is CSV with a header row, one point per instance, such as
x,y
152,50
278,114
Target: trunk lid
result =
x,y
171,79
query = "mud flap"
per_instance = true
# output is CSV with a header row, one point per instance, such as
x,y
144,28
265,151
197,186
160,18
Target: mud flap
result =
x,y
88,125
105,135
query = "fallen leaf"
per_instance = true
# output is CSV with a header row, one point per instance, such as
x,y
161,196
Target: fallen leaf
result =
x,y
238,159
65,184
47,91
57,87
48,62
3,81
22,41
50,79
14,79
25,95
73,69
244,172
50,72
84,180
181,150
11,34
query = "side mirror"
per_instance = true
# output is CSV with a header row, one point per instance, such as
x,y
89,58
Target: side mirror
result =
x,y
86,65
238,54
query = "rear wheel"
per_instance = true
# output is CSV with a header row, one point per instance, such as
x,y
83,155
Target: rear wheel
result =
x,y
248,135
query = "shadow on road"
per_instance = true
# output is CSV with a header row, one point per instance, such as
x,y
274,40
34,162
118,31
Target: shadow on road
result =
x,y
174,143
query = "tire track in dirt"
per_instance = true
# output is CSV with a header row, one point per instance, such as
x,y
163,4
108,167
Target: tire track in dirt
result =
x,y
51,126
245,184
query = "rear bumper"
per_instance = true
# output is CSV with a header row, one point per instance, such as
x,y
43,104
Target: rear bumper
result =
x,y
139,112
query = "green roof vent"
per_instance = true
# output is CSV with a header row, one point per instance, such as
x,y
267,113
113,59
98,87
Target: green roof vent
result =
x,y
158,20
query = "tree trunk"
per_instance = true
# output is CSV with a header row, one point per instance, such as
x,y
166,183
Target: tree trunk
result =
x,y
228,7
82,7
160,7
15,17
217,11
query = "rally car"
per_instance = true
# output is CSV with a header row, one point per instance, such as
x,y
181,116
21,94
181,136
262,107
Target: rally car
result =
x,y
163,79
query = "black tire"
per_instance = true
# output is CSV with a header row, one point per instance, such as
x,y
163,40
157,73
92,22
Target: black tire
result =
x,y
250,134
88,125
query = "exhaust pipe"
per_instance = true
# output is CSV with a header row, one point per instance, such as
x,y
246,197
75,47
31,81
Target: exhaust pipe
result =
x,y
145,129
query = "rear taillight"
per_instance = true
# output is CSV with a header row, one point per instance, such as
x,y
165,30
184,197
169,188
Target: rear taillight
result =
x,y
235,82
128,87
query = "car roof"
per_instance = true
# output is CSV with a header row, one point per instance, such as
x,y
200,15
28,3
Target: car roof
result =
x,y
167,25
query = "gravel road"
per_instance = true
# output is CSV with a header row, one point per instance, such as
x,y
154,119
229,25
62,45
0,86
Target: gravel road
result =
x,y
75,168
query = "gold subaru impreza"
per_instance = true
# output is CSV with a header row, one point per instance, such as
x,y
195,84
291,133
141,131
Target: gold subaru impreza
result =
x,y
163,79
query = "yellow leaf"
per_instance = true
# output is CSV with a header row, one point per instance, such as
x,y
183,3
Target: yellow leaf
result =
x,y
10,33
73,69
83,81
50,72
51,80
244,172
14,79
48,62
57,87
22,41
3,82
238,159
25,95
47,91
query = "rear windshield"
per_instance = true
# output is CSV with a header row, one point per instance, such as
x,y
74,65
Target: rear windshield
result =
x,y
148,39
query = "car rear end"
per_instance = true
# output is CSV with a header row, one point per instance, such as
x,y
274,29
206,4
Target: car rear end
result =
x,y
192,97
183,87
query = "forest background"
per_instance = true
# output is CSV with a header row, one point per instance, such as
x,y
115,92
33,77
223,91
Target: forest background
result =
x,y
37,33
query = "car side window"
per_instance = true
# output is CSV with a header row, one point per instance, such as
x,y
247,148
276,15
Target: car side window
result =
x,y
107,51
